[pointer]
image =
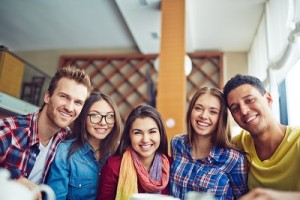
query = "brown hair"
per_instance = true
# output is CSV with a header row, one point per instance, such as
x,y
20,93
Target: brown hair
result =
x,y
222,136
111,141
72,73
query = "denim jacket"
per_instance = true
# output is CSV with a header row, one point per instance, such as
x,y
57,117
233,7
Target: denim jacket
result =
x,y
76,177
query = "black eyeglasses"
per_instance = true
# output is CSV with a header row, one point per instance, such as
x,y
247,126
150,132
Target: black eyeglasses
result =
x,y
97,118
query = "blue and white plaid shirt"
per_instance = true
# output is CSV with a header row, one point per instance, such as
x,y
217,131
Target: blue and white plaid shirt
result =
x,y
223,173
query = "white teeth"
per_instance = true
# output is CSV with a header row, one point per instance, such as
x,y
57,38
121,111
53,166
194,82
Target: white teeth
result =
x,y
65,114
203,124
250,119
101,130
146,147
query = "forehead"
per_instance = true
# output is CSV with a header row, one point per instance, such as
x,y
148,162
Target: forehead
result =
x,y
143,123
208,100
72,88
242,91
101,106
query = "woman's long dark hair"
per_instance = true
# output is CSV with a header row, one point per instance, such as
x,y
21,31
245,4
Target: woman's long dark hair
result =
x,y
110,142
143,111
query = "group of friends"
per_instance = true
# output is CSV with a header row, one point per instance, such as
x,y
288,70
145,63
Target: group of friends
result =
x,y
76,144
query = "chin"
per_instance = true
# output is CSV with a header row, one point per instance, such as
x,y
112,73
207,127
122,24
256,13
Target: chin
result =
x,y
63,125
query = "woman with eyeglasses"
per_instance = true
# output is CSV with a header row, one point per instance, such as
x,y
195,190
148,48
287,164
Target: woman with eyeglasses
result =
x,y
77,164
141,164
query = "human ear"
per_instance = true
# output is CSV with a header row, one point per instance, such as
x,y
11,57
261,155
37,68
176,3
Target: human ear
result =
x,y
47,97
269,98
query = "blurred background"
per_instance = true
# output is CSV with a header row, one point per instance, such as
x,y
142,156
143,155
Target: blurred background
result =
x,y
118,43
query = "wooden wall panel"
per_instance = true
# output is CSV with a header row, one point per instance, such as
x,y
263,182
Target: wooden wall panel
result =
x,y
124,77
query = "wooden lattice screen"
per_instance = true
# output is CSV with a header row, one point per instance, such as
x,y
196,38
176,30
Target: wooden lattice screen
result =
x,y
131,79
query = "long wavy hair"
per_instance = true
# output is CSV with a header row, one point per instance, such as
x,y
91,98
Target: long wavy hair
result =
x,y
110,143
221,137
143,111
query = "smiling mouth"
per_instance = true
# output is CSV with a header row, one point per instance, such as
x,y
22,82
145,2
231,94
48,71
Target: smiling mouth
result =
x,y
101,130
250,119
146,147
65,115
203,124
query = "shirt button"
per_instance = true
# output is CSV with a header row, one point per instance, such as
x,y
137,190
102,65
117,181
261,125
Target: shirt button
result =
x,y
79,185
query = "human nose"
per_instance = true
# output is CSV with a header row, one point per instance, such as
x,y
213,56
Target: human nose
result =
x,y
145,138
203,114
70,106
244,109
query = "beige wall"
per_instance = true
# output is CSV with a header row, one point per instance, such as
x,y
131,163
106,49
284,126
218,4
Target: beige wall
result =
x,y
48,60
234,63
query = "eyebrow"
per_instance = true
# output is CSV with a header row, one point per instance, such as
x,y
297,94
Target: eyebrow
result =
x,y
96,111
136,129
197,104
245,97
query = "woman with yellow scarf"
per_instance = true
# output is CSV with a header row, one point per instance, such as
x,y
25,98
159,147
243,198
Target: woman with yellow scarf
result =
x,y
141,164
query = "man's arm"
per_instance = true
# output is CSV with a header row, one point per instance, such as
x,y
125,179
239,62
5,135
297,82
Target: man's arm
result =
x,y
269,194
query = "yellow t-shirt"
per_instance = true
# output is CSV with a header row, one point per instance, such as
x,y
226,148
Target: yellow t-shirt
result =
x,y
282,170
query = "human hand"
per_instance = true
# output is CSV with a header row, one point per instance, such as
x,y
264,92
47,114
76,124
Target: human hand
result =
x,y
269,194
32,186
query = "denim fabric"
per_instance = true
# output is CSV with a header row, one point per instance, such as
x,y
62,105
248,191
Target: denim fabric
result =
x,y
76,177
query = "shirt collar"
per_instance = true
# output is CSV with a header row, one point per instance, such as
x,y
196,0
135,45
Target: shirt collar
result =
x,y
86,148
34,139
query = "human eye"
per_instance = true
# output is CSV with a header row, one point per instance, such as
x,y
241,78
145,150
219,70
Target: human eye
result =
x,y
234,109
214,112
198,108
80,103
94,115
63,96
110,116
153,131
249,100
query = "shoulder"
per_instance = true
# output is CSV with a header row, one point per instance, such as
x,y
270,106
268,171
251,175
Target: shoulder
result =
x,y
292,137
228,155
293,132
234,156
230,159
178,138
65,144
242,139
16,122
114,161
112,166
64,147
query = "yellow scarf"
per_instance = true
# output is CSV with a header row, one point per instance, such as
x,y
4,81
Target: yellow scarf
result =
x,y
128,177
127,184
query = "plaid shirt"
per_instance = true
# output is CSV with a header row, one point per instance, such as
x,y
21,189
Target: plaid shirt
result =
x,y
19,144
223,173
